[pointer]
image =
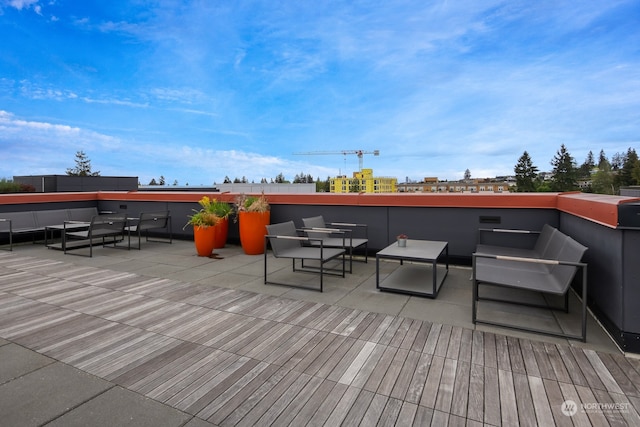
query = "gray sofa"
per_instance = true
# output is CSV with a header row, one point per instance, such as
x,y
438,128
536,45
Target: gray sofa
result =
x,y
35,222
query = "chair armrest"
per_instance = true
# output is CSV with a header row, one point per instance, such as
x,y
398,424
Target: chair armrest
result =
x,y
526,259
325,230
508,230
348,224
299,238
272,236
503,231
352,225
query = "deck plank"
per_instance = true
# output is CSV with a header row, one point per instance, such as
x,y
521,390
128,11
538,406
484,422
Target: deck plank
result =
x,y
368,367
631,383
391,376
432,338
430,391
444,339
416,386
492,401
306,412
475,404
540,400
460,399
390,414
524,400
374,380
403,380
508,402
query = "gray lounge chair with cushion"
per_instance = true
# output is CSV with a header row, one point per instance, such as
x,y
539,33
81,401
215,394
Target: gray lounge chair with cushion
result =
x,y
338,235
150,221
286,242
548,268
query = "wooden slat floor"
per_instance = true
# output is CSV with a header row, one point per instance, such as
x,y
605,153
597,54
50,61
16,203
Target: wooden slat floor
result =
x,y
236,358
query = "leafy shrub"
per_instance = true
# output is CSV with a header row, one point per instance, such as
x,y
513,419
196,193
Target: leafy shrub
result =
x,y
7,186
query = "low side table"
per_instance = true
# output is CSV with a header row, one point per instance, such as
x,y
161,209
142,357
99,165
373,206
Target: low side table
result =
x,y
70,225
413,279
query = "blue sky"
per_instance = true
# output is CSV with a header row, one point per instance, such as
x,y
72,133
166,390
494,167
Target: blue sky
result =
x,y
198,90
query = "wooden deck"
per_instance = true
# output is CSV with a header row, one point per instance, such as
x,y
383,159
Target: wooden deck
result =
x,y
237,358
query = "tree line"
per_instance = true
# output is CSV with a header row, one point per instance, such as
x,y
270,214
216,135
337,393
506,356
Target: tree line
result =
x,y
603,176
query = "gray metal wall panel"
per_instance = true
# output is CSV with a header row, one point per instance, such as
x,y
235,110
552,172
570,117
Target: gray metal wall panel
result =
x,y
605,260
631,276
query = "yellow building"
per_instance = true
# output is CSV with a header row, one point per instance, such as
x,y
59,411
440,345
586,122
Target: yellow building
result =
x,y
363,182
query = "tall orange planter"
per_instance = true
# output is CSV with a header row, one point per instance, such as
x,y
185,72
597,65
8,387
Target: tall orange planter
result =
x,y
204,238
222,230
253,228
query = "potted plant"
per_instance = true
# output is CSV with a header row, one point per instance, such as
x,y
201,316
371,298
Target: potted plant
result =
x,y
253,214
203,222
402,240
222,210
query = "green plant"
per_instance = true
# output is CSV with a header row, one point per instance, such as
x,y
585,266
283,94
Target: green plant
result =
x,y
7,186
246,203
221,209
206,216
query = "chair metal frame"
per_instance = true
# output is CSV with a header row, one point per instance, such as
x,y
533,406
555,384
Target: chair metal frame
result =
x,y
150,221
287,243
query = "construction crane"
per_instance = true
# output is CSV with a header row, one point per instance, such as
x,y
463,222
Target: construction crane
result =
x,y
359,153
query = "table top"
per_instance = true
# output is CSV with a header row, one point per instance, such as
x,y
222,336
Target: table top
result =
x,y
68,224
415,249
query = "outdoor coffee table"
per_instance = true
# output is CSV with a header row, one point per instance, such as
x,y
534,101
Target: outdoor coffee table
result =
x,y
69,225
415,278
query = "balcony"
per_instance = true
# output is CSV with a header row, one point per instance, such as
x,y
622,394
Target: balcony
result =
x,y
177,336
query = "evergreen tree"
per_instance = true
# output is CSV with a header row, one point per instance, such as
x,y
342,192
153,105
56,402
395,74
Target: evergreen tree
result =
x,y
629,173
564,171
617,160
603,179
587,166
227,180
153,182
526,174
162,180
280,179
602,160
83,166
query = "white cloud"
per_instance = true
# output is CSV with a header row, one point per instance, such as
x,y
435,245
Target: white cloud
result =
x,y
24,4
56,135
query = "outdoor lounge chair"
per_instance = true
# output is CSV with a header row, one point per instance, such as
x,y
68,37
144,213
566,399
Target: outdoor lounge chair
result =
x,y
286,242
337,235
548,268
149,221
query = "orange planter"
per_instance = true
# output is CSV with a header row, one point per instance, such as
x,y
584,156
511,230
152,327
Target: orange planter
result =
x,y
222,230
253,228
204,238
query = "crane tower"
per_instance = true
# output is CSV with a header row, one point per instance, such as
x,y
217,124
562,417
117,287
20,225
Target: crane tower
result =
x,y
359,153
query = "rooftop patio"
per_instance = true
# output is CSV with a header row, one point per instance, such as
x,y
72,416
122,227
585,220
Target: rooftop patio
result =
x,y
163,337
